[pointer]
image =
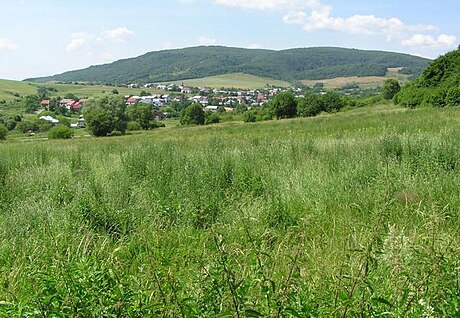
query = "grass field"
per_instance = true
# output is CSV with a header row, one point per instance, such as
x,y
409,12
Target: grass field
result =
x,y
238,80
8,89
354,214
362,81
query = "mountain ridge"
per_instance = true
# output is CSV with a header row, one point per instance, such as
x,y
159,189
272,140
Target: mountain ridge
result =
x,y
201,61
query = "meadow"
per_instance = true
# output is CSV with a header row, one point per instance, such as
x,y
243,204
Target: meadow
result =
x,y
353,214
236,80
9,90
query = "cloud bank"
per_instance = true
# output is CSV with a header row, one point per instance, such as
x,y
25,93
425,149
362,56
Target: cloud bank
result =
x,y
312,15
82,39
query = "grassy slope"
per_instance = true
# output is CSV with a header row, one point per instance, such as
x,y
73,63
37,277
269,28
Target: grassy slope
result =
x,y
237,80
350,214
9,88
363,81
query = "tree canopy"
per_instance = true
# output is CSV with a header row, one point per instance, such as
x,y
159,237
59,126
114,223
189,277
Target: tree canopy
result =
x,y
193,115
437,87
105,113
390,88
284,105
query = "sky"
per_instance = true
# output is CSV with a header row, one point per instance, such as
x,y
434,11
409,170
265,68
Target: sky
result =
x,y
47,37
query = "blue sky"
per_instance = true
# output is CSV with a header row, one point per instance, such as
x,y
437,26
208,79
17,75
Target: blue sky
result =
x,y
45,37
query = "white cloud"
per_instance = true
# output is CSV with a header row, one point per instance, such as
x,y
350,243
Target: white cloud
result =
x,y
313,15
118,35
83,39
270,4
443,40
321,19
6,44
206,41
78,40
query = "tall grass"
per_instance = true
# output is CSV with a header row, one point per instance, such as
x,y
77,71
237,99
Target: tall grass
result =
x,y
348,215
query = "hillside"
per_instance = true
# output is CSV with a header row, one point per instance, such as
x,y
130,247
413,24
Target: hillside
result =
x,y
286,65
438,86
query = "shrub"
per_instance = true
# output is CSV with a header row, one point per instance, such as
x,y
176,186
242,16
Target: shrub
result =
x,y
3,132
211,118
134,125
249,117
284,105
156,124
390,88
192,115
453,96
10,124
105,113
27,126
60,132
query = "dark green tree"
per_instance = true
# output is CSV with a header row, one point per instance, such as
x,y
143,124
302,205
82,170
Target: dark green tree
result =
x,y
105,113
310,105
141,113
332,102
31,103
390,88
284,105
192,115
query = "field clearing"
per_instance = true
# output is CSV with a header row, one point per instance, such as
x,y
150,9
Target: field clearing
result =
x,y
238,80
341,215
8,89
362,81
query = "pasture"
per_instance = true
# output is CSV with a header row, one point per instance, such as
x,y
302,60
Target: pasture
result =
x,y
344,215
236,80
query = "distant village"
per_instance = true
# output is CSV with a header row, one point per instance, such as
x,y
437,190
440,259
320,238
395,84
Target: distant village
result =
x,y
211,99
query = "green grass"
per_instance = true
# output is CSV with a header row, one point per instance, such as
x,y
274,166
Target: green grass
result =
x,y
362,81
237,80
10,90
354,214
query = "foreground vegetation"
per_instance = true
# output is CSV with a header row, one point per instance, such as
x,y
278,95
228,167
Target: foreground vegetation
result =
x,y
344,215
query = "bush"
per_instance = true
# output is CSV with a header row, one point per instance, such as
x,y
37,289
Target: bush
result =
x,y
27,126
104,114
60,132
453,96
390,88
156,124
3,132
11,124
284,105
192,115
134,125
310,105
211,118
249,117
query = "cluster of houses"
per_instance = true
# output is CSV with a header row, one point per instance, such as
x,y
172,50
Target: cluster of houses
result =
x,y
204,95
211,99
70,104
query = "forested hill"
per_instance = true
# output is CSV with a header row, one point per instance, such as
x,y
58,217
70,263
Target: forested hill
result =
x,y
288,65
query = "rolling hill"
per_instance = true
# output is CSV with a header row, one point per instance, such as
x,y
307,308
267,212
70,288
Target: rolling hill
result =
x,y
205,61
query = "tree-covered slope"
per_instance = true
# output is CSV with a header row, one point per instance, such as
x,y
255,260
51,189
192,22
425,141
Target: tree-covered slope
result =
x,y
438,86
203,61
